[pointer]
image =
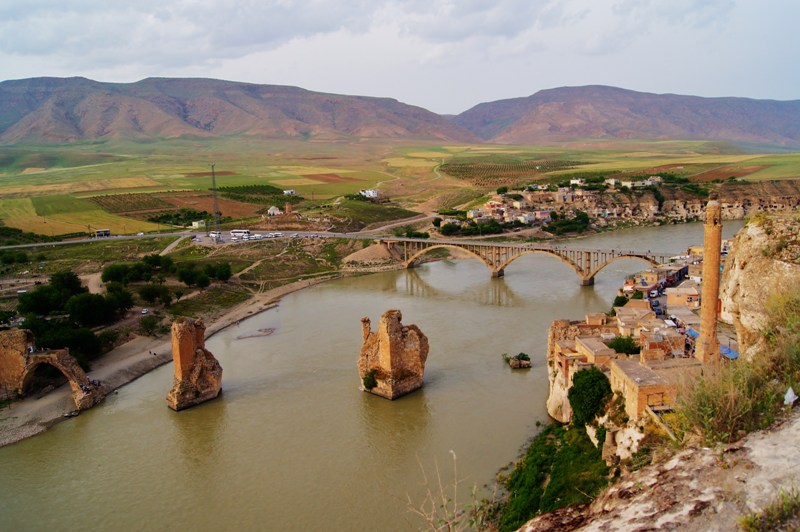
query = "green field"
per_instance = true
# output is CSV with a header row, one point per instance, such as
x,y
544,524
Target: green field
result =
x,y
45,189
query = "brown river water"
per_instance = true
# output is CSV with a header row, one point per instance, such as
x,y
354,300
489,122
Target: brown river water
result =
x,y
292,444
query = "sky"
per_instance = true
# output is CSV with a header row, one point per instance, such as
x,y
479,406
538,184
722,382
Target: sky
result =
x,y
443,55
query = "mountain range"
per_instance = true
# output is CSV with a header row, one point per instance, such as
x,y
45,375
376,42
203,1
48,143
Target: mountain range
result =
x,y
63,110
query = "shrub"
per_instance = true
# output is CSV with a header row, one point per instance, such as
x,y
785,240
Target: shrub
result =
x,y
589,392
746,395
369,380
624,344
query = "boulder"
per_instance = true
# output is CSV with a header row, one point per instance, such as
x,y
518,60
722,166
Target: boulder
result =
x,y
198,375
392,360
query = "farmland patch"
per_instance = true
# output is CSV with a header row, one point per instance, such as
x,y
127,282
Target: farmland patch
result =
x,y
234,209
298,182
122,203
726,172
331,178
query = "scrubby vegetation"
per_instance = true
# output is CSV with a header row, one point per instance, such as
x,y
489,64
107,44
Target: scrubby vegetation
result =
x,y
747,395
561,467
588,395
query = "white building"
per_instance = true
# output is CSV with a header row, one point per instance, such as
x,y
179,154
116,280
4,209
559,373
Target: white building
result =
x,y
290,192
369,193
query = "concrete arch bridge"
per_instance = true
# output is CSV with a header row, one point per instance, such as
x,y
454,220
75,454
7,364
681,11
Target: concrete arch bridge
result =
x,y
497,256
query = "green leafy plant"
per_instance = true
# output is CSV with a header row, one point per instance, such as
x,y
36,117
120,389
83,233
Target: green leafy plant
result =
x,y
369,379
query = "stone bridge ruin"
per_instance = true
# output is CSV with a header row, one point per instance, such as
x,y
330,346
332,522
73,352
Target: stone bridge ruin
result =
x,y
19,360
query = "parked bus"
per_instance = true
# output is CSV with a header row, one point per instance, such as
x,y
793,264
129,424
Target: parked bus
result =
x,y
99,233
240,233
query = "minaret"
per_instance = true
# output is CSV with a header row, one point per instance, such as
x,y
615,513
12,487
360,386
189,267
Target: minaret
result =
x,y
707,350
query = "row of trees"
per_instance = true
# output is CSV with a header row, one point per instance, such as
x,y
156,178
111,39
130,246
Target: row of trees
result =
x,y
157,268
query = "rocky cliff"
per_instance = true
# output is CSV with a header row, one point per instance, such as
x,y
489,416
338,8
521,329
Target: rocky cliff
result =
x,y
198,375
392,360
763,263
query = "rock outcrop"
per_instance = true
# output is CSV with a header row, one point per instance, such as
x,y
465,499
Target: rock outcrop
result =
x,y
765,260
198,375
19,359
392,360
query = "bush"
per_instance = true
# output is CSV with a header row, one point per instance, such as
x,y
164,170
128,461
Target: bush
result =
x,y
624,344
589,392
559,468
369,380
747,395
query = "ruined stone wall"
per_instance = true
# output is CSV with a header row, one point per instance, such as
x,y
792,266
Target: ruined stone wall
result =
x,y
14,346
197,375
395,356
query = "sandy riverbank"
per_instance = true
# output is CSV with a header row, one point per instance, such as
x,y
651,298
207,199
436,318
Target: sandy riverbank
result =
x,y
124,364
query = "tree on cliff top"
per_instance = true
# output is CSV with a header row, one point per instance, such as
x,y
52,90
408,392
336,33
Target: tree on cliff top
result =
x,y
588,395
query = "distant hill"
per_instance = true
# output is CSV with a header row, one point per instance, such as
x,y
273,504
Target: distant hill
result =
x,y
57,110
62,110
599,112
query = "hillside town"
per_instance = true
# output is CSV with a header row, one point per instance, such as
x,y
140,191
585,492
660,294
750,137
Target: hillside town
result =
x,y
671,343
612,202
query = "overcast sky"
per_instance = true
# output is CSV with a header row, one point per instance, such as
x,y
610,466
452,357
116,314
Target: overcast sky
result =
x,y
444,55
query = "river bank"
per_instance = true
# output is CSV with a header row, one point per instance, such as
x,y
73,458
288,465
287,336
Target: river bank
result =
x,y
126,363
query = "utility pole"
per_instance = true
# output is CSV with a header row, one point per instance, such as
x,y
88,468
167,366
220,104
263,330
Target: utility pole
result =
x,y
214,195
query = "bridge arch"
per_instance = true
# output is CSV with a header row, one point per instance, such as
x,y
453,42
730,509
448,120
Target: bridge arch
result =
x,y
651,262
563,259
85,393
412,260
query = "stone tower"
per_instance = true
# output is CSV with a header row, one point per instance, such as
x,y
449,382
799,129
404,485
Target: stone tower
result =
x,y
707,350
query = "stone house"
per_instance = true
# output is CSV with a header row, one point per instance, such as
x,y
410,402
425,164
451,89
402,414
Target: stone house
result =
x,y
641,387
686,295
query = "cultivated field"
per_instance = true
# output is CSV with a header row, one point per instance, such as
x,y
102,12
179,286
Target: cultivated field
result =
x,y
66,189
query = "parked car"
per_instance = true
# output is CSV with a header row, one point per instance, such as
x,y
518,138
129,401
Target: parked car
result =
x,y
145,311
655,303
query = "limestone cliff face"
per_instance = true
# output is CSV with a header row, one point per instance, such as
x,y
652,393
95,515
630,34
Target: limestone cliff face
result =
x,y
198,375
394,356
557,401
765,259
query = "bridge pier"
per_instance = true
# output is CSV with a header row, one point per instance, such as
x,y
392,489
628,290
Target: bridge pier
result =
x,y
587,281
498,273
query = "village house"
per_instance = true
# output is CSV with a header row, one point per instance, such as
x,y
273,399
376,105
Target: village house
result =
x,y
369,193
274,211
290,192
686,295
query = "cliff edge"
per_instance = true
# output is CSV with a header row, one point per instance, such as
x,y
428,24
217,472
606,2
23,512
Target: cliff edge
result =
x,y
765,261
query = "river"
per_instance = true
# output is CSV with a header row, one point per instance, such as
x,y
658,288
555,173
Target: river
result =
x,y
292,443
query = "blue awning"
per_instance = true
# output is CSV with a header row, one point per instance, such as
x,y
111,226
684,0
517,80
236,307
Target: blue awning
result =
x,y
691,332
728,352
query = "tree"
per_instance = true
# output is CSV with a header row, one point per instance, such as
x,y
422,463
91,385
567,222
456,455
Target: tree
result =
x,y
67,282
589,392
620,301
89,310
502,190
437,222
115,273
624,344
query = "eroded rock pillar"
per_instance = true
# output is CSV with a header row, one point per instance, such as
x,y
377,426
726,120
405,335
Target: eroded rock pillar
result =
x,y
392,360
198,375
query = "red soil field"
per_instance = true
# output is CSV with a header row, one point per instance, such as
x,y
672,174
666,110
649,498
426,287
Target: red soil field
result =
x,y
725,172
236,209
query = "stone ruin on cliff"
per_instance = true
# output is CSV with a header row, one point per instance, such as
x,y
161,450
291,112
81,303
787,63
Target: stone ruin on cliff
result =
x,y
198,375
392,360
19,359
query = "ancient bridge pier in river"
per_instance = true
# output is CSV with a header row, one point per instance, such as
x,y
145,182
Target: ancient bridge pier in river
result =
x,y
498,255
